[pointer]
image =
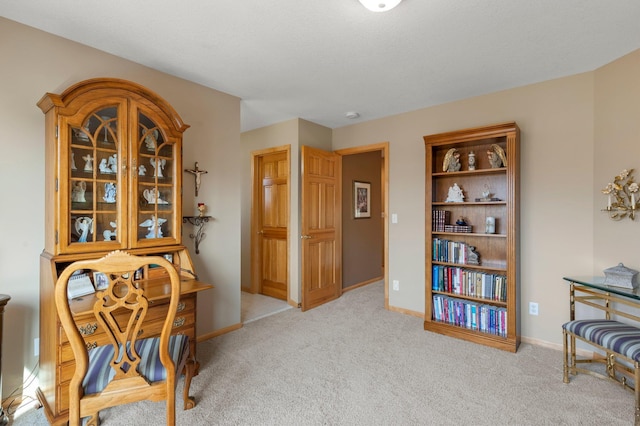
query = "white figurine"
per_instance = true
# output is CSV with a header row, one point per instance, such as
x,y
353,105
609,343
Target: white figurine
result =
x,y
142,170
109,192
88,163
153,196
84,226
73,161
77,192
113,163
455,194
158,165
108,233
150,140
153,225
103,167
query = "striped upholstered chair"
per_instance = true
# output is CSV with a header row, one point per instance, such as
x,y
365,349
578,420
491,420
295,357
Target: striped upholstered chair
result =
x,y
126,369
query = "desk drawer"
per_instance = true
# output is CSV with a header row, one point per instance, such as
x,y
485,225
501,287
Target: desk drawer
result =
x,y
182,321
90,328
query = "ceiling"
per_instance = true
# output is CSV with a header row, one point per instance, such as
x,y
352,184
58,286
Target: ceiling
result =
x,y
318,60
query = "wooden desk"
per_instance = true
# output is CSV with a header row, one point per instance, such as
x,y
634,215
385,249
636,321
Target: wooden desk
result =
x,y
53,392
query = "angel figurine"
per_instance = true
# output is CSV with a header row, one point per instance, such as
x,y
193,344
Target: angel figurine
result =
x,y
497,157
84,226
103,167
88,163
110,192
113,163
451,161
108,233
77,192
153,225
150,140
158,165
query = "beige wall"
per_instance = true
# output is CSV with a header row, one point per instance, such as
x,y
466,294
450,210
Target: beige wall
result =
x,y
617,147
34,62
556,119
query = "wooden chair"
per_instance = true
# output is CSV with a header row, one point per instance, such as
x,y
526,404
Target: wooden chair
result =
x,y
128,369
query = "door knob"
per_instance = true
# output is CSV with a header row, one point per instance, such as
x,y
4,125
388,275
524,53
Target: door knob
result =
x,y
305,237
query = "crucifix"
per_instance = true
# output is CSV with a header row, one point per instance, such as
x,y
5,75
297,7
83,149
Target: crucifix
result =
x,y
198,175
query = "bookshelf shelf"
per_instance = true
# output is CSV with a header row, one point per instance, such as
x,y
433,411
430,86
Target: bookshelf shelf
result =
x,y
472,278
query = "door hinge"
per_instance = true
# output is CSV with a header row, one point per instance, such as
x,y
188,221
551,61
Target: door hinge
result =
x,y
56,131
56,184
56,236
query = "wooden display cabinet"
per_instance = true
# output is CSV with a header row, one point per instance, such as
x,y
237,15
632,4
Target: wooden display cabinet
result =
x,y
113,181
476,302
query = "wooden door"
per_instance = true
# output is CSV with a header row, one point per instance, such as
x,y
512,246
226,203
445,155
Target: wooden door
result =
x,y
271,222
321,227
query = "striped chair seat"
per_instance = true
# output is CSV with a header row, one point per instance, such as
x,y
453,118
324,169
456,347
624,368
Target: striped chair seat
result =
x,y
100,373
620,338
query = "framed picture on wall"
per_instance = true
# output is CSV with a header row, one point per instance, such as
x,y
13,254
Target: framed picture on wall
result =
x,y
361,200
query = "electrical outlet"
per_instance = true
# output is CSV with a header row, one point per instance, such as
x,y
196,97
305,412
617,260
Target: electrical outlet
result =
x,y
533,308
36,346
396,285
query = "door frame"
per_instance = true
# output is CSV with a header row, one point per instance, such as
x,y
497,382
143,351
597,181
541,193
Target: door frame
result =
x,y
256,188
384,147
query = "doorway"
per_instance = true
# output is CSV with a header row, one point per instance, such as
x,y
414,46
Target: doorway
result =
x,y
382,150
270,175
365,240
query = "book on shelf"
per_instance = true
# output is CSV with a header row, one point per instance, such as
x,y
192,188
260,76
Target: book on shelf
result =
x,y
458,228
471,315
440,218
450,251
465,282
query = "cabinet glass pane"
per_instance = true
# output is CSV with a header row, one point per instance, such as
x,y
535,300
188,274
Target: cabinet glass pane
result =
x,y
156,177
94,197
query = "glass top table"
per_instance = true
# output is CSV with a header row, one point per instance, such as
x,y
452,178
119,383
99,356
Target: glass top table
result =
x,y
598,284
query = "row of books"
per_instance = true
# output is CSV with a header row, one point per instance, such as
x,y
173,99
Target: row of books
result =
x,y
474,316
439,218
466,282
458,228
450,251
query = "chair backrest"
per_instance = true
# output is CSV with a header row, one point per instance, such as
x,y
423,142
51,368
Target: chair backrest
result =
x,y
120,309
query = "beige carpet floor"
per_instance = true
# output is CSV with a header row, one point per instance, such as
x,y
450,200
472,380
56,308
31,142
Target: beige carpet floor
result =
x,y
351,362
258,306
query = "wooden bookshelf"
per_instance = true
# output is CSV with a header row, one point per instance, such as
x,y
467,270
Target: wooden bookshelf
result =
x,y
484,311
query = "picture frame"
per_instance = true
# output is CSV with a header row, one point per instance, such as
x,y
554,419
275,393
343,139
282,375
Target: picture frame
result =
x,y
361,200
100,280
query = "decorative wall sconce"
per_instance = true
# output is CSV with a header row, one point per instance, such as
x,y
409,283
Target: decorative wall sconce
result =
x,y
621,196
198,222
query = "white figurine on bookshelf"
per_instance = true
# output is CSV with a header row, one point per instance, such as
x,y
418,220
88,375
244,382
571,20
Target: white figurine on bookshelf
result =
x,y
455,194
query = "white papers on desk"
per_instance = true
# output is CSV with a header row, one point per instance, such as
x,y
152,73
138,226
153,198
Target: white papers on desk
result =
x,y
79,285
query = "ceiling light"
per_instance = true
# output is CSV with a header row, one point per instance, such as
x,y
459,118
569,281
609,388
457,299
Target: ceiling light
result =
x,y
380,5
352,115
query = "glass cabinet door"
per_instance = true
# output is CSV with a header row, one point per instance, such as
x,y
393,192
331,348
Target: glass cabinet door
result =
x,y
94,185
155,185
